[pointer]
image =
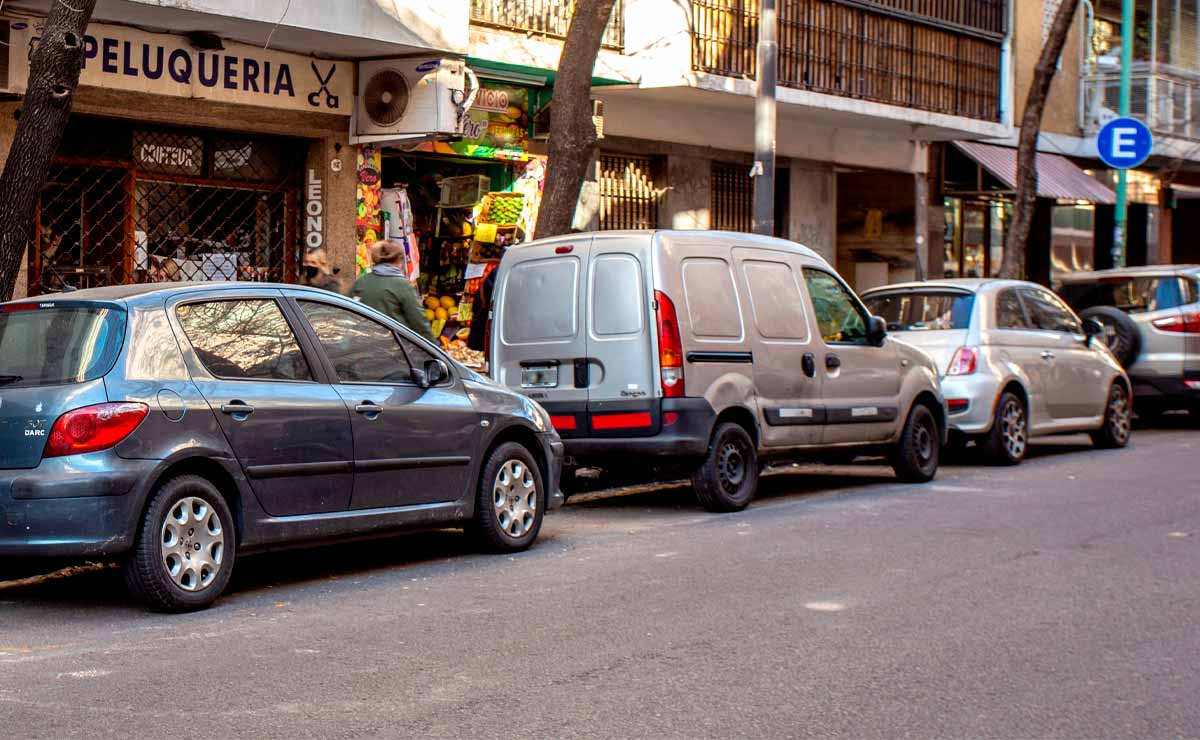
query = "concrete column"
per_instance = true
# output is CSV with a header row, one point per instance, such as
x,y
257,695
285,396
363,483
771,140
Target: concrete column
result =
x,y
331,160
920,225
689,193
812,211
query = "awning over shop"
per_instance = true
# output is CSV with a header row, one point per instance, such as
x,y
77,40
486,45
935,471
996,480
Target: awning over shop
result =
x,y
534,76
1058,177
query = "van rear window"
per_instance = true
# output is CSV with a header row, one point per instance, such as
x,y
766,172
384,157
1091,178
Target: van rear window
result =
x,y
540,301
58,343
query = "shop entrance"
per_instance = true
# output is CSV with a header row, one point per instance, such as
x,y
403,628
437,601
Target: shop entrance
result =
x,y
125,205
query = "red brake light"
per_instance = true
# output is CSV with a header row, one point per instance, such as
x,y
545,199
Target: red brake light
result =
x,y
1188,323
94,428
670,347
963,362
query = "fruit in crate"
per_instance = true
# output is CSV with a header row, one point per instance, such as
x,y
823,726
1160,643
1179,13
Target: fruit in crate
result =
x,y
432,301
441,314
447,302
429,314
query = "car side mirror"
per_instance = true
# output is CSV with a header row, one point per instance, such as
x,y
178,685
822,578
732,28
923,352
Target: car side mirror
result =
x,y
1092,329
876,330
436,372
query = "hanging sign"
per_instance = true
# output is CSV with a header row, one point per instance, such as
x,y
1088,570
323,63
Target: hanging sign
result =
x,y
123,58
496,127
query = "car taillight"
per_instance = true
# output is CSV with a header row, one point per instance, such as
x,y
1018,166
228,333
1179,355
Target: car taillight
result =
x,y
670,347
94,428
963,362
1188,323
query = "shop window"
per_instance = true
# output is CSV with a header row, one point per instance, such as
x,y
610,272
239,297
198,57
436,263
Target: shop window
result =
x,y
629,192
732,198
1072,239
125,205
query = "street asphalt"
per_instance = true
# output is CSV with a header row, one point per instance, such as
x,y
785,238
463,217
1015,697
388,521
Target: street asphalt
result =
x,y
1057,599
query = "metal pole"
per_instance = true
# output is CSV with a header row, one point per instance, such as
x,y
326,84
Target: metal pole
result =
x,y
764,122
1118,250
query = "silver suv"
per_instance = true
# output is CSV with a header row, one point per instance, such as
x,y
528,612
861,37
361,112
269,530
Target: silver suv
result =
x,y
1151,318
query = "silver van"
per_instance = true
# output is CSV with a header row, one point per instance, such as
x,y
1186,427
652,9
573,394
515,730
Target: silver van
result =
x,y
711,349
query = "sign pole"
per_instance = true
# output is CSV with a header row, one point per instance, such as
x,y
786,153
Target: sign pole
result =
x,y
1118,250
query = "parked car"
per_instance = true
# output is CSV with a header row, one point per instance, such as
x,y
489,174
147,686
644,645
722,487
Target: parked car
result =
x,y
1016,362
1151,319
181,427
714,350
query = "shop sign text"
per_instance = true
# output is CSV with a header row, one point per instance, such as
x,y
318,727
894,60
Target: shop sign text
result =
x,y
314,212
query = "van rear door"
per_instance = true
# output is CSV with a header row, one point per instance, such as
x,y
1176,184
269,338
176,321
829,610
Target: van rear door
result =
x,y
621,381
539,336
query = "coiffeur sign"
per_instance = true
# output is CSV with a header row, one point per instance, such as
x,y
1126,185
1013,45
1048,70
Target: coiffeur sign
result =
x,y
121,58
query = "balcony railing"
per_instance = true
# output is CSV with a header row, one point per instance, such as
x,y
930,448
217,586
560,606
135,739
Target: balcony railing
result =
x,y
545,17
935,55
1165,98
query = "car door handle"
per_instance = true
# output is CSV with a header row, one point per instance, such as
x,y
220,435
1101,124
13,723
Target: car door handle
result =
x,y
368,408
808,363
832,362
1047,355
237,408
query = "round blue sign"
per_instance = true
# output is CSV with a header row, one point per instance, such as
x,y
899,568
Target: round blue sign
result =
x,y
1124,143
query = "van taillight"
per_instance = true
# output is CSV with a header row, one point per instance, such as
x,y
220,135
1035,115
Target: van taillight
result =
x,y
94,428
1188,323
963,362
670,347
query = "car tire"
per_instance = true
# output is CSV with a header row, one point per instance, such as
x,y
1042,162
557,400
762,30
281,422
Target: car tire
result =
x,y
511,500
185,548
727,479
1008,441
915,458
1114,432
1121,334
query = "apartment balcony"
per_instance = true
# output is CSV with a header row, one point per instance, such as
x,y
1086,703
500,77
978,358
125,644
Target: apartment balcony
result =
x,y
1165,98
942,56
546,18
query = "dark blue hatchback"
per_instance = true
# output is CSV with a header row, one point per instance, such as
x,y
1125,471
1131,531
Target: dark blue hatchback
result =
x,y
178,427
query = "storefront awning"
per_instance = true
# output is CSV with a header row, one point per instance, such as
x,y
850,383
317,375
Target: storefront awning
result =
x,y
1058,177
535,76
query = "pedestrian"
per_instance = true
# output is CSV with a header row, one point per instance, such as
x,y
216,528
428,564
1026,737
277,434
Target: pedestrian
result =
x,y
386,288
318,273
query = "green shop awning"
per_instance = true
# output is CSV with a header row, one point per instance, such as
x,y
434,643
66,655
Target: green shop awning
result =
x,y
533,76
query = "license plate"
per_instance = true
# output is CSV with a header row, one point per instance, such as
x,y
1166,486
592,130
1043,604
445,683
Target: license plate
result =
x,y
539,377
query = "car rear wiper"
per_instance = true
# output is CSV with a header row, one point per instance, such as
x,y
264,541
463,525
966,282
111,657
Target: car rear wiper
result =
x,y
6,379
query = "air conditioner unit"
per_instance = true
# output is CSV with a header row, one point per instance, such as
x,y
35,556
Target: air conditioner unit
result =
x,y
412,98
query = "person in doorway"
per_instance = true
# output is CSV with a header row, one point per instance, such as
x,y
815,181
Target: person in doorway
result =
x,y
386,288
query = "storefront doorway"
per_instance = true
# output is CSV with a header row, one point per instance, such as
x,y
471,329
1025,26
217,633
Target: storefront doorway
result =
x,y
974,237
128,204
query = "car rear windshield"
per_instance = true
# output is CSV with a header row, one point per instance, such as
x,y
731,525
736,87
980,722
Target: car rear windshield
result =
x,y
1130,294
923,311
58,343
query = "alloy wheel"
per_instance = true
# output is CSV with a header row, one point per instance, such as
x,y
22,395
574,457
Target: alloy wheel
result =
x,y
1012,427
193,544
514,497
1119,415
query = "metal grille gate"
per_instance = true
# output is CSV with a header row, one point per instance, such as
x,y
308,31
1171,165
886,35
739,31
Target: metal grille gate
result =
x,y
136,206
629,192
732,197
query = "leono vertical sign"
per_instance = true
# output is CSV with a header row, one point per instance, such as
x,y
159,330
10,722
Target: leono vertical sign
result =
x,y
314,212
123,58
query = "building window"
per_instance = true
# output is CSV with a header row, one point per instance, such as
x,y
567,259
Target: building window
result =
x,y
629,192
732,198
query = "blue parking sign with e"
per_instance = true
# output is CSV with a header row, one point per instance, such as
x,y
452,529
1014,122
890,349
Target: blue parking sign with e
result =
x,y
1124,143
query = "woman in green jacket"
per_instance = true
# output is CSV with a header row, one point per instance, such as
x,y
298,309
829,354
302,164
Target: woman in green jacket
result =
x,y
386,288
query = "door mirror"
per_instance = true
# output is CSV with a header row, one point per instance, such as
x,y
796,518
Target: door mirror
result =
x,y
1092,328
876,330
436,372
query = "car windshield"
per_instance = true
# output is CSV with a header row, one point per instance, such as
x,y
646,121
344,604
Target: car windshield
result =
x,y
1130,294
922,311
56,344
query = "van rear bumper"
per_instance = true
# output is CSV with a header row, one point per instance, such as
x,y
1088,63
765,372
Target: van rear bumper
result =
x,y
685,437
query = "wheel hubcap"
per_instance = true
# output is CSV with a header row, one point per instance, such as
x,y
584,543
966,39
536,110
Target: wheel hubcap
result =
x,y
731,466
1012,427
923,442
193,544
514,497
1118,415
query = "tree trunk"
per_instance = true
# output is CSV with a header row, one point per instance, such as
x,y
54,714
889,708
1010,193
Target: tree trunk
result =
x,y
1015,246
53,76
572,133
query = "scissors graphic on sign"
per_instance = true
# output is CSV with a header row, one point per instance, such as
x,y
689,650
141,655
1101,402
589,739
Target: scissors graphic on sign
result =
x,y
314,98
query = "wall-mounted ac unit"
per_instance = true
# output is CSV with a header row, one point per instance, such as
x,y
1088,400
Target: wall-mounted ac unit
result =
x,y
412,98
